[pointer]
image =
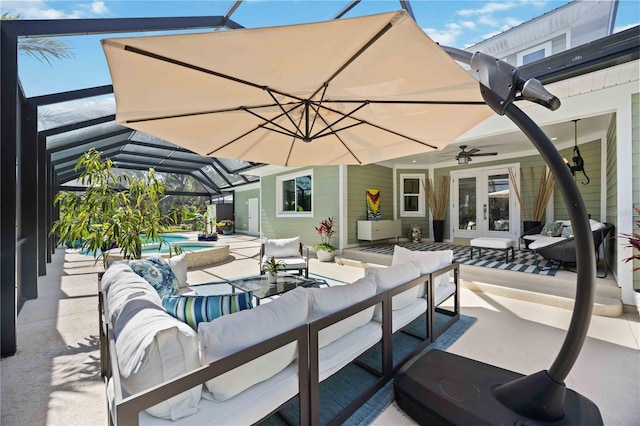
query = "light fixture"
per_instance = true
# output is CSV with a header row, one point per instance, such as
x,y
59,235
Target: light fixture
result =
x,y
578,161
463,160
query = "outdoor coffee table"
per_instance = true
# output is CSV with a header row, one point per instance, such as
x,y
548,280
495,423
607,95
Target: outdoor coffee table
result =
x,y
261,287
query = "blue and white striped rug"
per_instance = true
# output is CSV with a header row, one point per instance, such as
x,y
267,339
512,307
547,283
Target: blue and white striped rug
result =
x,y
524,261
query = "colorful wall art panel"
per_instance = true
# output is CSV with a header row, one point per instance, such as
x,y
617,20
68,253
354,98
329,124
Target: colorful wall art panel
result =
x,y
373,204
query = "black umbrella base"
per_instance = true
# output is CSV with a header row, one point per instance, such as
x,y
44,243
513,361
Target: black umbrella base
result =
x,y
439,388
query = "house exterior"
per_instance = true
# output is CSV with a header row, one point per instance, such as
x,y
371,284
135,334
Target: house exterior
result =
x,y
573,52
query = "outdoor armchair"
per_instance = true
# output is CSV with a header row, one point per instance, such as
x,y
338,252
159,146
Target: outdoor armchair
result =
x,y
289,252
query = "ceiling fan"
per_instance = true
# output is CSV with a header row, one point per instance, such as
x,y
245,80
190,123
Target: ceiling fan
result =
x,y
464,157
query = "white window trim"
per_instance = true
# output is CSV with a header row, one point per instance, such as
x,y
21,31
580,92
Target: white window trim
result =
x,y
421,196
547,46
279,180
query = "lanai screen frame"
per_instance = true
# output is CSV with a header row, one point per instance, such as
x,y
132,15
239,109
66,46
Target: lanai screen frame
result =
x,y
30,192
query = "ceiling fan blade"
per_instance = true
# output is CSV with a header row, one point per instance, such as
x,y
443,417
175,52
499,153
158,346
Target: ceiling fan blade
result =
x,y
472,151
484,154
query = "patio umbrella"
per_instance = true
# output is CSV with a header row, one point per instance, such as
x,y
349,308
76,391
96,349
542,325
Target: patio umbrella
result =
x,y
348,91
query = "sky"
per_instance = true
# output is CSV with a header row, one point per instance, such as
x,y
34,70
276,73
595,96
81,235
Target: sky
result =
x,y
453,23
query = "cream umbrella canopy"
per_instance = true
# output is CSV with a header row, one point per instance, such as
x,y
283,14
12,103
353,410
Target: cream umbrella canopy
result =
x,y
349,91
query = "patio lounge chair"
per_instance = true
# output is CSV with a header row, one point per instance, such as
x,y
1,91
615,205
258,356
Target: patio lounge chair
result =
x,y
288,251
563,250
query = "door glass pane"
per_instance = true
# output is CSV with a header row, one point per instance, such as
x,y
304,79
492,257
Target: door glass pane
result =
x,y
467,203
498,187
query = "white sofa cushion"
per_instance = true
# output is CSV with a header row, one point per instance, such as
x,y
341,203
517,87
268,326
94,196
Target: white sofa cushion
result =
x,y
393,276
595,225
120,284
429,261
178,265
232,333
544,241
325,301
282,247
153,347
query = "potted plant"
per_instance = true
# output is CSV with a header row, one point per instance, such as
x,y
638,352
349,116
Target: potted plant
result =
x,y
438,205
114,211
204,222
634,244
271,267
325,250
226,226
542,194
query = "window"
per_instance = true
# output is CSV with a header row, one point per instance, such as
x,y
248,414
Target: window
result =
x,y
535,53
412,195
294,194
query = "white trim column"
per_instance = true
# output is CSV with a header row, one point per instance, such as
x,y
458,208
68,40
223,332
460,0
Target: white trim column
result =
x,y
624,200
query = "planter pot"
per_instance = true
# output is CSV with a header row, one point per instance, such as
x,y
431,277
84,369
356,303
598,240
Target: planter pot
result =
x,y
205,238
273,277
529,224
227,232
438,231
325,255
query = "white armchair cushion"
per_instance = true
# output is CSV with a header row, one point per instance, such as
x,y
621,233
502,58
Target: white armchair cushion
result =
x,y
231,333
325,301
282,247
393,276
595,225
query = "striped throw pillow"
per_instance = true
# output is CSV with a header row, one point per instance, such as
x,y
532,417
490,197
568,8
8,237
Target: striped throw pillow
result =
x,y
196,309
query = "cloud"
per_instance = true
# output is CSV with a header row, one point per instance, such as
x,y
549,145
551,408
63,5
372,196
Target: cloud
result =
x,y
99,8
625,27
39,9
487,9
447,36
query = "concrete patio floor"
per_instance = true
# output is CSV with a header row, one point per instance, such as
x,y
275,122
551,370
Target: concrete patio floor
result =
x,y
54,379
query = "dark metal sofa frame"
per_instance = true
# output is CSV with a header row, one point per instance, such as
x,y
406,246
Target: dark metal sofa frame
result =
x,y
564,251
126,410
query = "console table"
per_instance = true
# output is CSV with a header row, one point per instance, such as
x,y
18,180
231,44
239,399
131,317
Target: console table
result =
x,y
371,230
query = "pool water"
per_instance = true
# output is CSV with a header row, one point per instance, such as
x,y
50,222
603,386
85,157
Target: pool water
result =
x,y
185,247
168,238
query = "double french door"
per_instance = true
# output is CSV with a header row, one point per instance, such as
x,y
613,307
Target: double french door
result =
x,y
483,203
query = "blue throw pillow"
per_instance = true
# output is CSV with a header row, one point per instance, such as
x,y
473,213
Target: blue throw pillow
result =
x,y
196,309
567,232
158,273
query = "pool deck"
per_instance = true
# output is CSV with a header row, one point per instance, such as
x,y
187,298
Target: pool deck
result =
x,y
54,378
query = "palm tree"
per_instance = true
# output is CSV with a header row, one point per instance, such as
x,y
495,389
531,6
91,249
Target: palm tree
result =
x,y
41,48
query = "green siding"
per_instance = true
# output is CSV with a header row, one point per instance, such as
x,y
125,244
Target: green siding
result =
x,y
612,189
590,193
325,204
241,200
361,178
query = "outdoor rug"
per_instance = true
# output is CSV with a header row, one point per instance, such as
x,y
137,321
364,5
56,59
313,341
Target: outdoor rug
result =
x,y
523,261
340,389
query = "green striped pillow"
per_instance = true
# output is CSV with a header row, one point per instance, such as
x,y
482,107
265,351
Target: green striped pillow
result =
x,y
196,309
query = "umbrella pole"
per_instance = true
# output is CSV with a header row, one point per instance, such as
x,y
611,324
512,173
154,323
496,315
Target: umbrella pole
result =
x,y
543,395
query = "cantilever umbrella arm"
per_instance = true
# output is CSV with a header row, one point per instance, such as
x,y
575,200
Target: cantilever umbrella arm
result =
x,y
541,395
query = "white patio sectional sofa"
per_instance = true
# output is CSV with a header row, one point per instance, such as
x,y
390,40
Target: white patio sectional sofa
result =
x,y
241,367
